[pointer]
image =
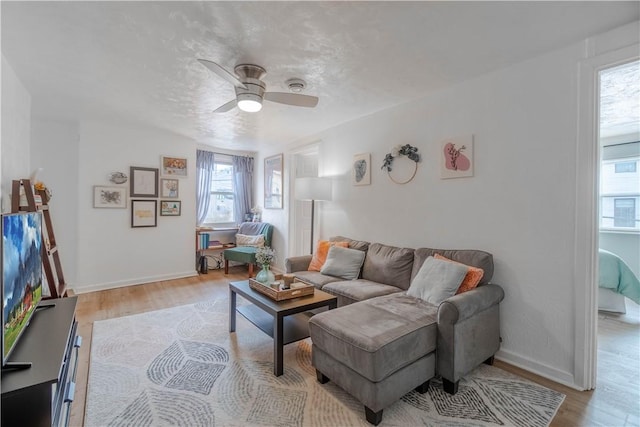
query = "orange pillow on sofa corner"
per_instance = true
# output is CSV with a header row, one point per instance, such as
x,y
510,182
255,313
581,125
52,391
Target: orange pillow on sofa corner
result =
x,y
471,280
320,254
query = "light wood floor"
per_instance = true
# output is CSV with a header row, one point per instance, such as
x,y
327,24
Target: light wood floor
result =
x,y
615,402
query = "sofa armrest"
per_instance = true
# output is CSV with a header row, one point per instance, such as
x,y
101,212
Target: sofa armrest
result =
x,y
468,331
465,305
297,263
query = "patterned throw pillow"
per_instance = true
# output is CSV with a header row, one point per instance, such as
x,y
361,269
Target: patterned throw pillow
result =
x,y
320,254
247,240
471,280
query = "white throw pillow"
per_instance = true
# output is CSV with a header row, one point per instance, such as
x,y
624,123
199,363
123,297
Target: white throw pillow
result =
x,y
343,262
437,280
246,240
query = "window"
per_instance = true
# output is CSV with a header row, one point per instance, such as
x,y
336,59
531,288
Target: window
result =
x,y
625,167
624,212
221,206
619,131
619,193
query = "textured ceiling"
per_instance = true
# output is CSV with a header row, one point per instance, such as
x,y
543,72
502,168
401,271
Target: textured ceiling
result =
x,y
136,61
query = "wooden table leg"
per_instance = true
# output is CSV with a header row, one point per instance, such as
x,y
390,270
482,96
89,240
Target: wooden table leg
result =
x,y
278,347
232,311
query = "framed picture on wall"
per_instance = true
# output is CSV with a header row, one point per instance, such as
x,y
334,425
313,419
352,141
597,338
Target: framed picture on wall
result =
x,y
361,169
174,166
273,182
456,157
170,207
144,213
144,182
169,188
109,197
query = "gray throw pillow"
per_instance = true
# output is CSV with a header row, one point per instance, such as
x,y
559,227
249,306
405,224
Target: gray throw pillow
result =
x,y
343,262
437,280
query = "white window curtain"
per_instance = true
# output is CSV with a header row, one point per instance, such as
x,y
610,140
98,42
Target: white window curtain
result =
x,y
243,184
204,174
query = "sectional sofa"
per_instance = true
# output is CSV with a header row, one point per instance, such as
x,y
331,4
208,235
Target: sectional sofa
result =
x,y
382,343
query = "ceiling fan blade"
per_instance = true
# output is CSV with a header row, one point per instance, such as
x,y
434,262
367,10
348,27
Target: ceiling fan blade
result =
x,y
292,99
226,107
222,73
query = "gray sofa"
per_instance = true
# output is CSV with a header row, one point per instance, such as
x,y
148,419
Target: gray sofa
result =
x,y
382,343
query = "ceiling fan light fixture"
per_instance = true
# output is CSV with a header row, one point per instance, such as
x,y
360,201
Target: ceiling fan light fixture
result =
x,y
249,102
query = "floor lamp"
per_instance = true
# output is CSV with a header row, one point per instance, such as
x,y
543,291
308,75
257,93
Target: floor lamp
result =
x,y
314,189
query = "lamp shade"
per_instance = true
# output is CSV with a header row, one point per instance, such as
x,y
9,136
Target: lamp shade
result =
x,y
313,188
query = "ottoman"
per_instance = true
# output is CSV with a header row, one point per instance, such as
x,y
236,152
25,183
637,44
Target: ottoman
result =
x,y
377,350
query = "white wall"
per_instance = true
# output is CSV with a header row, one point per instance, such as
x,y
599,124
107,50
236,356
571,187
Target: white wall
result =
x,y
110,252
54,148
517,206
16,132
520,205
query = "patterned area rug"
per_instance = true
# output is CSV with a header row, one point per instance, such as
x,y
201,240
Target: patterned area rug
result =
x,y
181,366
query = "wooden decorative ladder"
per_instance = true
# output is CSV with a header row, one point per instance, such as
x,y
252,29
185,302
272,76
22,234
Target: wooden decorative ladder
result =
x,y
50,255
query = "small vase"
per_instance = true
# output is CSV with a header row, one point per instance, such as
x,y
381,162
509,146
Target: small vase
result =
x,y
265,276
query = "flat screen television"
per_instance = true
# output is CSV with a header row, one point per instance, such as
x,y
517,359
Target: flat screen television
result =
x,y
21,275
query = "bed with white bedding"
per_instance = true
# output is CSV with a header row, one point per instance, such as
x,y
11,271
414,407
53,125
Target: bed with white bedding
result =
x,y
615,281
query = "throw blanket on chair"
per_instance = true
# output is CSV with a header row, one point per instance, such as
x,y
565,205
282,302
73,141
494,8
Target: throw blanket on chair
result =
x,y
616,275
252,228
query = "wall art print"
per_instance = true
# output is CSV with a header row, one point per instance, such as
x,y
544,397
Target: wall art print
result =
x,y
169,188
144,213
144,181
109,197
174,166
361,169
170,207
456,157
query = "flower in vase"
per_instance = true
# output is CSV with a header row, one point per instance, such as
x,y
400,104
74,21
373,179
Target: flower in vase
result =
x,y
265,255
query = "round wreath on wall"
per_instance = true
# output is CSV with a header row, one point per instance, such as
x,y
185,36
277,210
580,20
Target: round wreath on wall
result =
x,y
401,150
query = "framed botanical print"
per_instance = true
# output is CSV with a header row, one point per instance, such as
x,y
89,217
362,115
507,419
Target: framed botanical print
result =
x,y
361,169
456,157
109,197
174,166
169,188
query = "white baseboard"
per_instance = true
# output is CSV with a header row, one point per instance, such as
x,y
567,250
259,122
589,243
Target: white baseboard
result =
x,y
131,282
551,373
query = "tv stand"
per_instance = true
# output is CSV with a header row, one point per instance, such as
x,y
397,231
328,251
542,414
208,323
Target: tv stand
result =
x,y
42,394
16,366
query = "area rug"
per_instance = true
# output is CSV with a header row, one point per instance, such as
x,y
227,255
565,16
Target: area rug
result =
x,y
182,367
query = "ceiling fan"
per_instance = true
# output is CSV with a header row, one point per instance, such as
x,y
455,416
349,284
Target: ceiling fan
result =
x,y
250,90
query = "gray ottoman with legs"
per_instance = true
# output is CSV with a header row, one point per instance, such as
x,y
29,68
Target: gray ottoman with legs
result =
x,y
378,350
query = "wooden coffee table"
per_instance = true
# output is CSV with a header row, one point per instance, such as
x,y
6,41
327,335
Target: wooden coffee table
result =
x,y
285,321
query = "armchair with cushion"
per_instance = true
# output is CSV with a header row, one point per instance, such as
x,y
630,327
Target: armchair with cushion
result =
x,y
251,236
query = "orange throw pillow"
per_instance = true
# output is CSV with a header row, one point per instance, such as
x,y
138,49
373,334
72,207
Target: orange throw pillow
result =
x,y
320,255
471,280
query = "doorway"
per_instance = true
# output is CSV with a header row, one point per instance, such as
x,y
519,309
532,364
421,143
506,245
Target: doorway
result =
x,y
618,230
305,164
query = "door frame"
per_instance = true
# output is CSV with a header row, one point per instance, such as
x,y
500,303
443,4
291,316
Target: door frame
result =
x,y
587,228
295,205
